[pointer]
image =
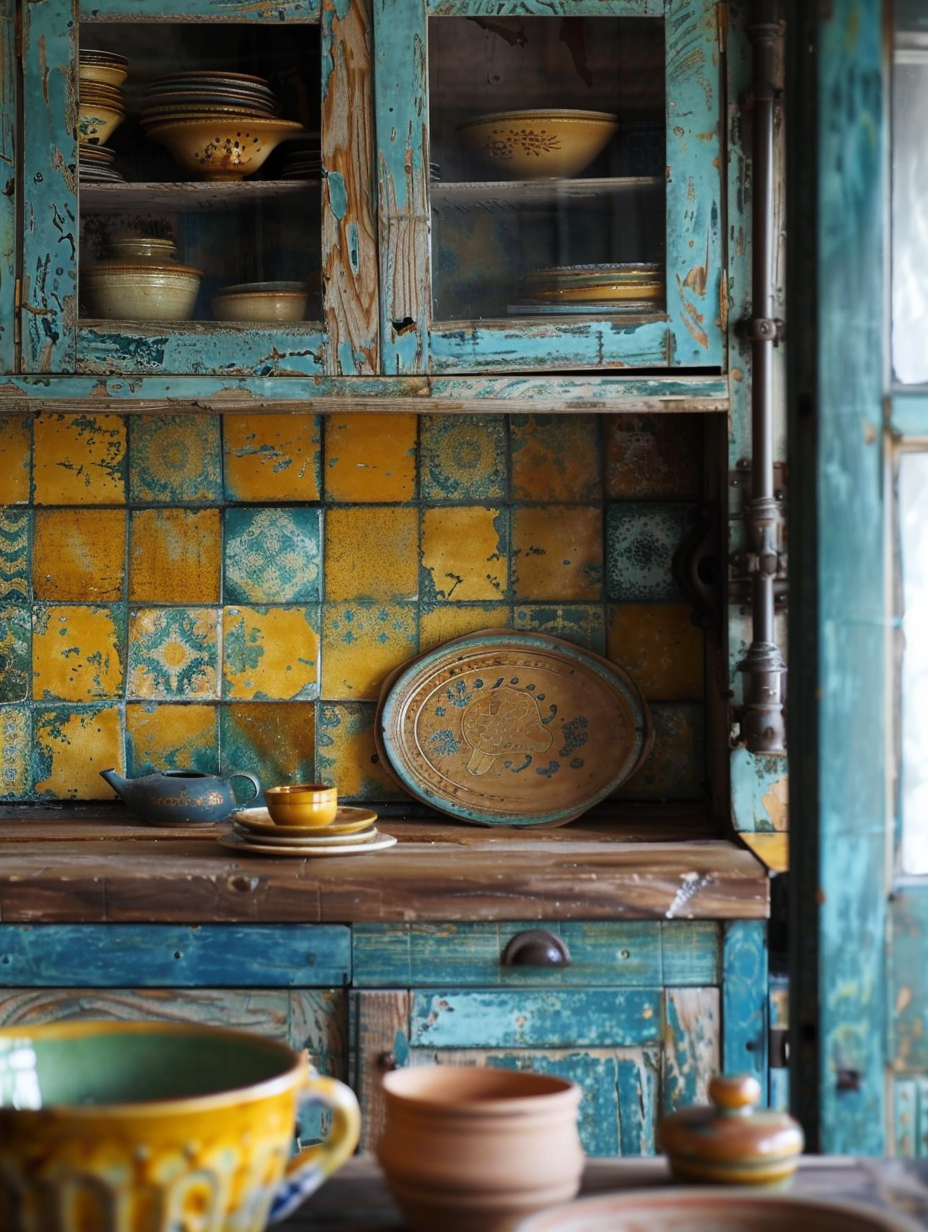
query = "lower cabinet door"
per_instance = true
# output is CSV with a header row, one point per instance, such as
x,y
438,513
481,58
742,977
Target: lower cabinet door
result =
x,y
635,1053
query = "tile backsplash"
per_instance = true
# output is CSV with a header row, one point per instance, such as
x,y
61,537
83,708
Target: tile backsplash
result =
x,y
223,592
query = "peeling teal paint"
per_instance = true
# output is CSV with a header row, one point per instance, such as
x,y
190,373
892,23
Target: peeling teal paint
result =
x,y
758,791
337,193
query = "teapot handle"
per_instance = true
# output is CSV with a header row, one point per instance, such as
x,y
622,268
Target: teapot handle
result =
x,y
243,774
313,1164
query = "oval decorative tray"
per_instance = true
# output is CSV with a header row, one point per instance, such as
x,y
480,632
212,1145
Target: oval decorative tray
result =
x,y
501,727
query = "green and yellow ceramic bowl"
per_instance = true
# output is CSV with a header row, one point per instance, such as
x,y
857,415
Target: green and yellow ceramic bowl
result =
x,y
158,1127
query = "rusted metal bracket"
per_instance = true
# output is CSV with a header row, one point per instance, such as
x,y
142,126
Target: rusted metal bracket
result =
x,y
766,555
762,329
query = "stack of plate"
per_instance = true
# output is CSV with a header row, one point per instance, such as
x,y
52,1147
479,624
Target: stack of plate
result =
x,y
302,160
200,94
629,288
95,164
352,833
101,104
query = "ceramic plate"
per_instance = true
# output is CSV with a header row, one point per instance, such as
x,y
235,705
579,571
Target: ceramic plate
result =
x,y
321,839
247,846
348,820
508,728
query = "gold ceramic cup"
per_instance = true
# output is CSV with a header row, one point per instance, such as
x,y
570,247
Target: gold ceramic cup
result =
x,y
151,1127
309,805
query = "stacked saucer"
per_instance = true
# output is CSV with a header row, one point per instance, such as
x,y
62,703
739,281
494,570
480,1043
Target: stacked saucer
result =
x,y
95,165
199,94
302,159
351,833
628,288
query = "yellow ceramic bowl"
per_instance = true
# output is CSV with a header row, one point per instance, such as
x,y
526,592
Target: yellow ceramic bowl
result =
x,y
533,145
96,122
308,805
222,147
153,1127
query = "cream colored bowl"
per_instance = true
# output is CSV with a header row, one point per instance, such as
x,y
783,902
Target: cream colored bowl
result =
x,y
262,301
222,147
117,291
97,122
533,145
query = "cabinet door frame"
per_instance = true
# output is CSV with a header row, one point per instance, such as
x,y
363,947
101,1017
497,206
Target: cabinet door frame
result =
x,y
692,336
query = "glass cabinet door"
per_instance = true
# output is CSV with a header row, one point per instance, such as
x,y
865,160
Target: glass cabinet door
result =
x,y
572,162
186,226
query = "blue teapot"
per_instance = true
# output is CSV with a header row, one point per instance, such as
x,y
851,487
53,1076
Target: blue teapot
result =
x,y
179,797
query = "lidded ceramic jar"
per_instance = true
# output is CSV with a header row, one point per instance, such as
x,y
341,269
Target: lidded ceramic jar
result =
x,y
732,1141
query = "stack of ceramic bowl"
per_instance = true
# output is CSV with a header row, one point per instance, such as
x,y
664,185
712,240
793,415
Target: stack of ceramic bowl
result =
x,y
95,165
305,819
302,160
141,282
217,125
101,105
626,288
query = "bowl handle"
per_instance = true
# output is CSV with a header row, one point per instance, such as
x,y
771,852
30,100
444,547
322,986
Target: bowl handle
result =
x,y
313,1164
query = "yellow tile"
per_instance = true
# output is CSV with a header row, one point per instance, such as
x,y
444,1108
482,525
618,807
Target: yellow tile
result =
x,y
76,654
557,552
371,553
270,653
75,746
361,644
347,754
370,458
464,553
15,439
448,620
660,647
80,460
79,554
271,458
175,555
276,741
555,458
169,737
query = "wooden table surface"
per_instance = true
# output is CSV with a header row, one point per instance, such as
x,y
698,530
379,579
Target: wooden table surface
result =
x,y
101,865
355,1199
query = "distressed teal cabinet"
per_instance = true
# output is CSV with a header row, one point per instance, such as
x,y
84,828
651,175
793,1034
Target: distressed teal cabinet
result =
x,y
418,254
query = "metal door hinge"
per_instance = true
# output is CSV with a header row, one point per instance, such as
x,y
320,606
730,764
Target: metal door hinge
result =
x,y
17,316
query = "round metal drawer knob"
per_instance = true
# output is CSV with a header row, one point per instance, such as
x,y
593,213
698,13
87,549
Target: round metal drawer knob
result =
x,y
536,947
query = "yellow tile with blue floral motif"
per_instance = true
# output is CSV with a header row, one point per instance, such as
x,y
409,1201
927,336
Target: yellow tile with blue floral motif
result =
x,y
173,653
175,555
270,458
79,459
465,554
347,756
361,644
660,647
16,457
445,621
275,741
72,746
557,552
168,736
270,653
654,456
77,653
372,553
555,458
583,625
79,554
16,747
370,458
175,458
16,553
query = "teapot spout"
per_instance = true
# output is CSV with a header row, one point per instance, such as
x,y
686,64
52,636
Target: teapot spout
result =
x,y
116,781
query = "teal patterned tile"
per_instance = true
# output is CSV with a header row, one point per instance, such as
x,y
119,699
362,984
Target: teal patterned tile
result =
x,y
15,653
175,458
584,626
463,457
15,554
15,752
172,736
272,555
641,539
676,766
347,755
556,458
173,653
275,741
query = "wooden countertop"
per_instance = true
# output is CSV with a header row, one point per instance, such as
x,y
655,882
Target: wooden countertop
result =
x,y
99,865
356,1200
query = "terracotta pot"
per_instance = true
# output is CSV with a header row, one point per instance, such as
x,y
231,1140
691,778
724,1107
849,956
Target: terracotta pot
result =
x,y
473,1150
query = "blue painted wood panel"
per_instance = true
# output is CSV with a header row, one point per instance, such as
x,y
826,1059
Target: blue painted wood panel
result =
x,y
9,188
165,956
633,954
744,1001
262,353
535,1018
